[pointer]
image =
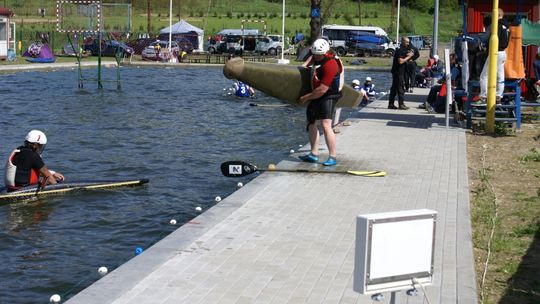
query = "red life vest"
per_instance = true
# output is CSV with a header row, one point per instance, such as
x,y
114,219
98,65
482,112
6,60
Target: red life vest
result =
x,y
11,172
337,83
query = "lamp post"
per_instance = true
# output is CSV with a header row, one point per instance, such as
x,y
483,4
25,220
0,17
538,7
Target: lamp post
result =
x,y
397,22
282,60
170,28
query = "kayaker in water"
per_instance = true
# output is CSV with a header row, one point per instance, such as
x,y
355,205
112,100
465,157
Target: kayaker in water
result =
x,y
24,165
243,90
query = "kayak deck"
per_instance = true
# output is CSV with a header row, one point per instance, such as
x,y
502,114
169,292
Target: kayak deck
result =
x,y
32,191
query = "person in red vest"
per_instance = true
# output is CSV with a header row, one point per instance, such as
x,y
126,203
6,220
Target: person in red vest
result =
x,y
327,82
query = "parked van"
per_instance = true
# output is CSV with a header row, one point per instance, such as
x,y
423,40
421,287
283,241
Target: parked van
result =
x,y
337,35
271,45
239,32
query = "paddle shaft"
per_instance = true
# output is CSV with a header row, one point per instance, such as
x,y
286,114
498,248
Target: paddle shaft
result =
x,y
366,173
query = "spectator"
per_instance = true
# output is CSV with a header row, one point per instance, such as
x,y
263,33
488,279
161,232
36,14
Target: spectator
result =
x,y
503,33
401,56
411,70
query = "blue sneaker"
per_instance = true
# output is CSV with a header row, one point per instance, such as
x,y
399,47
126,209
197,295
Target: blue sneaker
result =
x,y
331,161
310,158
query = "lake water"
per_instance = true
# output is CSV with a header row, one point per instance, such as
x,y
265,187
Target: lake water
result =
x,y
174,126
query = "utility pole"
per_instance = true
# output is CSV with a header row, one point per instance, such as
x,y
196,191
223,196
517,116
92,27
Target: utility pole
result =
x,y
359,13
393,15
148,17
435,46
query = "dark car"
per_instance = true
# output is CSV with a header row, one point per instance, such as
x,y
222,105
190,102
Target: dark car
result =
x,y
109,48
139,44
185,42
217,48
185,45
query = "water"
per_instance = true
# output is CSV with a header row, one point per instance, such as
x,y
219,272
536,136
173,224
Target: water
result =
x,y
171,125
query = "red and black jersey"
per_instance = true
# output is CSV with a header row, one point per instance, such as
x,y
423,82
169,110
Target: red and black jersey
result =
x,y
27,163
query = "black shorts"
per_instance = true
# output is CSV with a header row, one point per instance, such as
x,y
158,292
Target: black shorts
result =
x,y
322,108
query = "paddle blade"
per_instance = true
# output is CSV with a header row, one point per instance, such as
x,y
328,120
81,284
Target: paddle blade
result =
x,y
368,173
237,168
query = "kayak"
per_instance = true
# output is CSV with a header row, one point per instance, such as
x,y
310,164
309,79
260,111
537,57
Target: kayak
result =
x,y
30,192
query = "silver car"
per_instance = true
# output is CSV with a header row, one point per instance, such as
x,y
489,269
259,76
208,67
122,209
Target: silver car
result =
x,y
154,50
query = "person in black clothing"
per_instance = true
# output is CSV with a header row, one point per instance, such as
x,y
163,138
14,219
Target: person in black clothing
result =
x,y
399,65
503,32
25,165
411,70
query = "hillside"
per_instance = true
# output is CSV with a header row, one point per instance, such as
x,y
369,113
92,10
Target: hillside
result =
x,y
215,15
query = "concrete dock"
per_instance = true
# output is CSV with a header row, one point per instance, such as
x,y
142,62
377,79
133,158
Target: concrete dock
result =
x,y
290,237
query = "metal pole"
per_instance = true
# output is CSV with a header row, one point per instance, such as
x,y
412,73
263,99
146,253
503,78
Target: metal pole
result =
x,y
448,86
435,47
492,71
282,60
397,22
170,28
359,13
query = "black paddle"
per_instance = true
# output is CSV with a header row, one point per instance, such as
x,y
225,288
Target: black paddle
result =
x,y
41,185
239,168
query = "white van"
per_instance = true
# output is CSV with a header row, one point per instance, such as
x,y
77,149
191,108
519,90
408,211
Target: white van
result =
x,y
337,35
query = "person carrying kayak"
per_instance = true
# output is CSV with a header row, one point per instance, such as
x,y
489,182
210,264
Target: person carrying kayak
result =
x,y
24,165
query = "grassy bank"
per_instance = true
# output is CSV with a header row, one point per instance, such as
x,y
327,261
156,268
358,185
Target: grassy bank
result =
x,y
504,177
219,14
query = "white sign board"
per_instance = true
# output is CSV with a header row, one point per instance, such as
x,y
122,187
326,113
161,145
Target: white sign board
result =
x,y
392,249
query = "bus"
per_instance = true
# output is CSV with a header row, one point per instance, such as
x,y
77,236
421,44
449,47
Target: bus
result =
x,y
337,35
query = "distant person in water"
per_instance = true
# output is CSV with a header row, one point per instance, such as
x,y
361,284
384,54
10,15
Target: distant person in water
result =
x,y
368,89
243,90
25,166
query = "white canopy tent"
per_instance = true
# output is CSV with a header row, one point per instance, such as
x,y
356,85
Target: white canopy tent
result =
x,y
183,27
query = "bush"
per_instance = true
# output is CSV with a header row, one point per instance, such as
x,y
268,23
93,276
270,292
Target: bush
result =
x,y
303,15
229,15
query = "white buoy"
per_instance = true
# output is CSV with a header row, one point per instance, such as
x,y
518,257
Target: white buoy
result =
x,y
292,151
198,208
103,270
173,222
240,185
55,298
218,199
300,146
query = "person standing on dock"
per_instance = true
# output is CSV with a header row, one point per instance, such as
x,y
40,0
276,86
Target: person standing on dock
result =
x,y
503,33
25,165
399,65
327,82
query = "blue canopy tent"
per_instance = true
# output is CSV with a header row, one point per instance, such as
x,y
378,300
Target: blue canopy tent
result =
x,y
184,29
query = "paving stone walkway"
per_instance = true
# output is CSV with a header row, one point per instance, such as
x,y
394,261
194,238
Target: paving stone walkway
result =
x,y
290,237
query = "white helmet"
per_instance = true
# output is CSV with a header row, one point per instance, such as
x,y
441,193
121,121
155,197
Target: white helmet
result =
x,y
436,57
320,47
356,82
36,136
368,78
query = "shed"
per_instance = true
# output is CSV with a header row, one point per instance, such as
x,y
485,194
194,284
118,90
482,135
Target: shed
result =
x,y
7,32
184,29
